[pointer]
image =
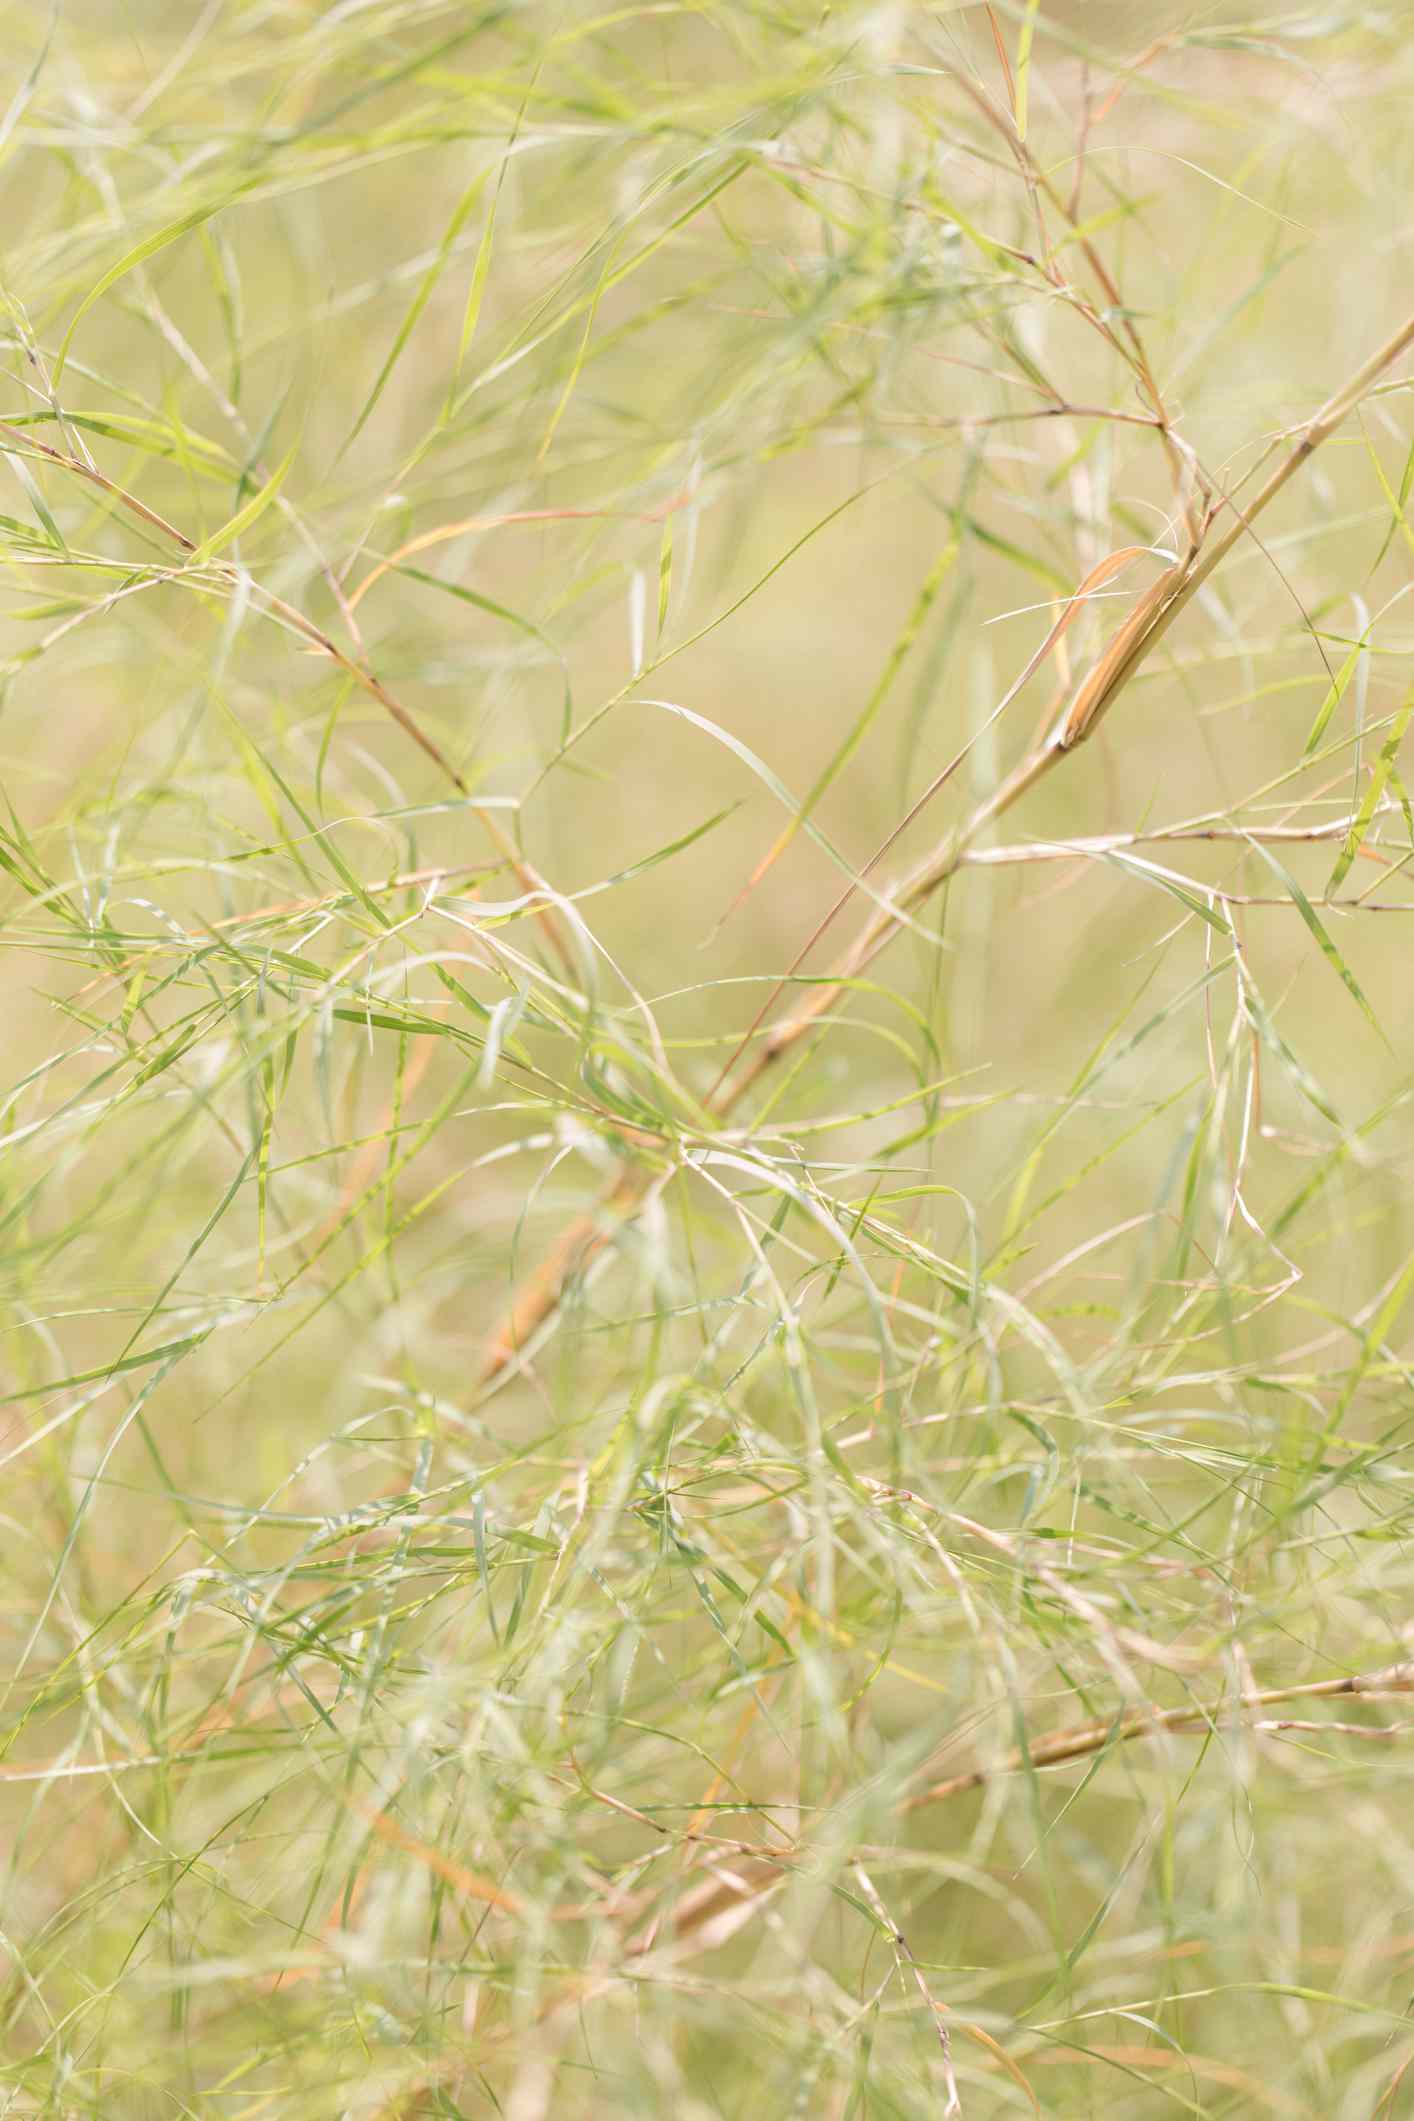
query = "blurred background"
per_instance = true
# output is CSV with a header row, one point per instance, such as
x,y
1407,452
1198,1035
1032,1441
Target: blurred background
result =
x,y
505,511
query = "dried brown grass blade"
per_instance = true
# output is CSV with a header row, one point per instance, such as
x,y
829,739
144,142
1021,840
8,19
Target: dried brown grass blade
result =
x,y
1135,641
447,531
1095,579
1003,59
470,1883
1004,2061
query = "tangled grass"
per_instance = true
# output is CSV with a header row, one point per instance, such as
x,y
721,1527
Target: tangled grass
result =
x,y
708,1097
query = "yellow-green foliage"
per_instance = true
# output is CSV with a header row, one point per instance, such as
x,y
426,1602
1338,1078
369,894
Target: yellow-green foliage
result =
x,y
704,933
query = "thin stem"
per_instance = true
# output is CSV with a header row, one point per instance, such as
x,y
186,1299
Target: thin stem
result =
x,y
1111,672
1081,1740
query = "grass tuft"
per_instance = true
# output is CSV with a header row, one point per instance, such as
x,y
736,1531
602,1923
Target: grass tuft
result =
x,y
705,1280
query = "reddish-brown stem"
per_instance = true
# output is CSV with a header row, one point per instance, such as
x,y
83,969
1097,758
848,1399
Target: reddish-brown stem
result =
x,y
1101,686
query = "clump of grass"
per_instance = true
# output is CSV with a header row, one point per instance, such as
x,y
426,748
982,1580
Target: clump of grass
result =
x,y
704,1258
